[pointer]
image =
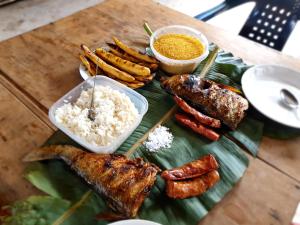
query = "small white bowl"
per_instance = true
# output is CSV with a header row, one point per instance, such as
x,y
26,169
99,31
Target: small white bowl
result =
x,y
174,66
139,101
262,85
134,222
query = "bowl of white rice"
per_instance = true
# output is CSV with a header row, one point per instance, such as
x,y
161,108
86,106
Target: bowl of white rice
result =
x,y
118,112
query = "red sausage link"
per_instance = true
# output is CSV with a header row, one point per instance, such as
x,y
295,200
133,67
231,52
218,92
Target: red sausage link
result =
x,y
204,119
192,169
191,188
198,128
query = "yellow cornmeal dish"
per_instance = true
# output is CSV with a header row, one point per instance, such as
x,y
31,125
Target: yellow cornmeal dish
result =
x,y
179,46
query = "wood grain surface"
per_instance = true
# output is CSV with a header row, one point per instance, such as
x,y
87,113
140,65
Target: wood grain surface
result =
x,y
40,66
282,154
263,196
20,131
43,64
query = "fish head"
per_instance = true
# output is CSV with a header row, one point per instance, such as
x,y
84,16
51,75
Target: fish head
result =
x,y
185,82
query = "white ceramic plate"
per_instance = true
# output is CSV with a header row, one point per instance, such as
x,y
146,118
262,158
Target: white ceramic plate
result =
x,y
84,73
134,222
262,85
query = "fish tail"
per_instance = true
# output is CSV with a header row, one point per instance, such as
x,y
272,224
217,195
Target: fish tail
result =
x,y
47,152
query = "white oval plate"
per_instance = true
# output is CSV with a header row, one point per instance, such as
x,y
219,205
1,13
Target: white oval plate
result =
x,y
262,85
134,222
84,73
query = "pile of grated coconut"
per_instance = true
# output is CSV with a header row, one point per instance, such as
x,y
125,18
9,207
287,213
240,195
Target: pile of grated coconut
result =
x,y
159,138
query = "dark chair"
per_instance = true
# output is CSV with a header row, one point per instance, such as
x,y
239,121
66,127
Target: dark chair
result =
x,y
270,23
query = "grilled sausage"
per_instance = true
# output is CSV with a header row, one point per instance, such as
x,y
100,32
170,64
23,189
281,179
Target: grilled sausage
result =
x,y
198,128
206,120
193,169
191,188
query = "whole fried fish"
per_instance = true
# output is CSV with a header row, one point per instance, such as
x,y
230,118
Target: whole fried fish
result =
x,y
219,103
123,182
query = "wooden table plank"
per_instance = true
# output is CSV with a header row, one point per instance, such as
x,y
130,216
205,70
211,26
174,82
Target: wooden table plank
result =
x,y
20,131
283,154
256,199
263,196
33,105
41,66
44,62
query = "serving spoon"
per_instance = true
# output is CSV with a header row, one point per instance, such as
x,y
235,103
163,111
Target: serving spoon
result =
x,y
91,112
289,99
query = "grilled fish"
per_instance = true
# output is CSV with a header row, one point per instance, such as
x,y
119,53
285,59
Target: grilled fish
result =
x,y
123,182
219,103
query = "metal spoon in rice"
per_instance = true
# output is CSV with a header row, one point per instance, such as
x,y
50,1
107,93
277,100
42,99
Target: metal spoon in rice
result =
x,y
91,112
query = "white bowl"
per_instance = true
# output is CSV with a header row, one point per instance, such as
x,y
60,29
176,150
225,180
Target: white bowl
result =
x,y
174,66
262,85
139,101
134,222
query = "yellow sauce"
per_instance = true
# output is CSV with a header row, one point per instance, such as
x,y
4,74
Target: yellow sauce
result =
x,y
179,46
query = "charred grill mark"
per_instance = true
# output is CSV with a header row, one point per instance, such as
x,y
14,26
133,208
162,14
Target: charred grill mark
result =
x,y
125,168
148,171
117,156
147,189
114,174
108,163
128,183
138,162
124,183
217,102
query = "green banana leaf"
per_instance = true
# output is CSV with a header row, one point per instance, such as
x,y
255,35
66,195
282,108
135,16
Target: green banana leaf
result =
x,y
229,70
186,147
35,210
57,180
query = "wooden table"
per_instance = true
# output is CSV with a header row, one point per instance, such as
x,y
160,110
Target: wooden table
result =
x,y
38,67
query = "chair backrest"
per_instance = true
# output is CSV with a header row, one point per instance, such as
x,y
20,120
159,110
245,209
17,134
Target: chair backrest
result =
x,y
271,22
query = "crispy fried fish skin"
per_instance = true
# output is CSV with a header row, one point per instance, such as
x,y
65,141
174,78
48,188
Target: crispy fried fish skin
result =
x,y
123,182
217,102
192,169
191,188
